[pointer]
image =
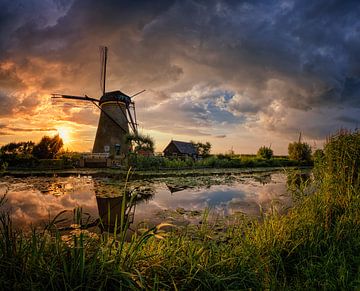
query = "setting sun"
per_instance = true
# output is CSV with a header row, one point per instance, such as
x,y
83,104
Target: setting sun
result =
x,y
65,134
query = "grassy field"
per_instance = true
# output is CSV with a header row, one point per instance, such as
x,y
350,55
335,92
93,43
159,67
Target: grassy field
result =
x,y
316,245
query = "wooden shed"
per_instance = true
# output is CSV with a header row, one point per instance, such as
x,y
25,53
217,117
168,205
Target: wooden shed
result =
x,y
180,149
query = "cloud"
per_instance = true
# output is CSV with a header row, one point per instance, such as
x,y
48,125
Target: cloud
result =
x,y
16,129
9,130
350,120
83,117
274,66
17,104
9,80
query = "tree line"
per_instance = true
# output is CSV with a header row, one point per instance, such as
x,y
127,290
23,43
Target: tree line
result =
x,y
47,148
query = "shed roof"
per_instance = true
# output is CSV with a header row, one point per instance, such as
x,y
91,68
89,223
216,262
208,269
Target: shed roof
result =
x,y
184,147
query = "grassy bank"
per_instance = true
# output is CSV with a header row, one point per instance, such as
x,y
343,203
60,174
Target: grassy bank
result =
x,y
315,245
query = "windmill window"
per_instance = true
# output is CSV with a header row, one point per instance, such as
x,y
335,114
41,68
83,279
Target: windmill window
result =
x,y
117,149
106,149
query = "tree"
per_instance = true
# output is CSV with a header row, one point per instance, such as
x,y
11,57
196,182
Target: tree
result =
x,y
18,148
299,151
202,149
265,152
48,147
140,143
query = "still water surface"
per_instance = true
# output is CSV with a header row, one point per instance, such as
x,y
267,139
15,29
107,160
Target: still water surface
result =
x,y
35,200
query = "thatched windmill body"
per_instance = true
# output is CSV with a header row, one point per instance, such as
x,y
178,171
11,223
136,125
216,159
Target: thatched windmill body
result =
x,y
117,116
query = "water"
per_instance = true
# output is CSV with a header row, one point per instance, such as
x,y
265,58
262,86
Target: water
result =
x,y
36,200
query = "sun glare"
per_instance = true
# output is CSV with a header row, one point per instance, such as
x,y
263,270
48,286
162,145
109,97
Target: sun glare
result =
x,y
65,134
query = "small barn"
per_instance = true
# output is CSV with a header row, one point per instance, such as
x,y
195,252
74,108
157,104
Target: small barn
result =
x,y
180,149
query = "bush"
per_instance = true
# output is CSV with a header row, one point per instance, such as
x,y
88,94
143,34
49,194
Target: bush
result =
x,y
17,161
265,153
299,151
145,163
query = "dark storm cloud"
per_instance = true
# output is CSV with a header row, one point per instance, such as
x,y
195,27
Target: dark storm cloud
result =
x,y
300,55
350,120
15,15
250,40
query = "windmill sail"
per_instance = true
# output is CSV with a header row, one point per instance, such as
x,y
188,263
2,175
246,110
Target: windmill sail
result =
x,y
84,98
103,62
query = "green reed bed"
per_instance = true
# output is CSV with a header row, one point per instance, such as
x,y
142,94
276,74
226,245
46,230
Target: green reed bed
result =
x,y
315,245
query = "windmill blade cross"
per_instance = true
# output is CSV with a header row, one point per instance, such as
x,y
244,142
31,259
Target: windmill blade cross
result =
x,y
142,91
103,63
82,98
133,124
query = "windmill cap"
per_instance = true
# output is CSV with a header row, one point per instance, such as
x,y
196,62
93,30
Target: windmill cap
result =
x,y
115,96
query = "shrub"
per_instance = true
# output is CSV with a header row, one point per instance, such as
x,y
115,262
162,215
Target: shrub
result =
x,y
265,153
144,163
299,151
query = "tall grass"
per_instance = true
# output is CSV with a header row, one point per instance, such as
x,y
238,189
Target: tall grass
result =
x,y
316,245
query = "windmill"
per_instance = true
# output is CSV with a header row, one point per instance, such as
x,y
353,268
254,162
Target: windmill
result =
x,y
117,115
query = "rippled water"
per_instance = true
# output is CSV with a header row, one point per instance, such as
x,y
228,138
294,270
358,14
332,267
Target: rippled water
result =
x,y
35,200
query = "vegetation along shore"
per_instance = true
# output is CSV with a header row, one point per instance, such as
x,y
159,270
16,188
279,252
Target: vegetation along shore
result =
x,y
316,244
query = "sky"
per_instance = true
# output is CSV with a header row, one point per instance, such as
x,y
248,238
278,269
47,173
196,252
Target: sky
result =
x,y
239,74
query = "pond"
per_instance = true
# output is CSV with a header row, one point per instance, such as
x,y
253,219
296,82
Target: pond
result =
x,y
36,200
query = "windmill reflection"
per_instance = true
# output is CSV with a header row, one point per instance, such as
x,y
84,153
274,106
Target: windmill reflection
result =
x,y
117,213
